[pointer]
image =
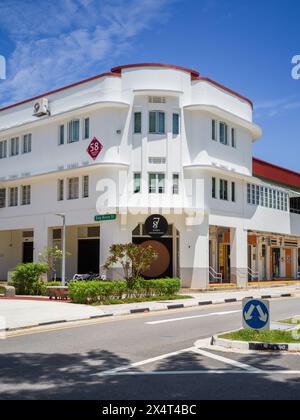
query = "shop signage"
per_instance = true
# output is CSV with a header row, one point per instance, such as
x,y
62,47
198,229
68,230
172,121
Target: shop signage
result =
x,y
95,148
156,226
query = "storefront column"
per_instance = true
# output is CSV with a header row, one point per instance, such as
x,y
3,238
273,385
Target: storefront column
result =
x,y
41,242
112,233
194,256
239,256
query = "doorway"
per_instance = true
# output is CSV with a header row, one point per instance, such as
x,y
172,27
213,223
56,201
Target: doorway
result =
x,y
88,256
288,264
275,263
27,252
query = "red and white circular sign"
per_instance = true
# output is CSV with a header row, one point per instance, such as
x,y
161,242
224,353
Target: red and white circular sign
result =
x,y
95,148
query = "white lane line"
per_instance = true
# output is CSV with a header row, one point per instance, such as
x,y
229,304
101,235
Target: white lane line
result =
x,y
226,361
142,363
206,372
165,321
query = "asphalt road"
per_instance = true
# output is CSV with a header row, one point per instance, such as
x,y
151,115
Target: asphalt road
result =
x,y
150,357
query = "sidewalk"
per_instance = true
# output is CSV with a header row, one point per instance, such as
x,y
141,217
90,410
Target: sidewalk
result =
x,y
18,314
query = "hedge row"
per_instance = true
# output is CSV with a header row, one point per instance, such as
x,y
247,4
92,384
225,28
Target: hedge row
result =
x,y
97,292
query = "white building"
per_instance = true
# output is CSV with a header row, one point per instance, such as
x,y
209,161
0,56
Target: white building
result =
x,y
174,144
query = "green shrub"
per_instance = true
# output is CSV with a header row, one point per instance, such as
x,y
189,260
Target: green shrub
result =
x,y
27,279
99,292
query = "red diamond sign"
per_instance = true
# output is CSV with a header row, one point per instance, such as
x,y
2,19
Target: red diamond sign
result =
x,y
95,148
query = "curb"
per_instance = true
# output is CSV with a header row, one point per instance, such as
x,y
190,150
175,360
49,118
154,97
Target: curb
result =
x,y
253,346
147,310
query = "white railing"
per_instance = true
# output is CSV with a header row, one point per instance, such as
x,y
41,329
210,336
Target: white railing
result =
x,y
254,275
217,277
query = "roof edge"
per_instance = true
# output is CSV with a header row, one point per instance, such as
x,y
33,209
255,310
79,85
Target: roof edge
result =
x,y
219,85
34,98
194,73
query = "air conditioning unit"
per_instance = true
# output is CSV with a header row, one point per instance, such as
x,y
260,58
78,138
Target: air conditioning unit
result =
x,y
41,107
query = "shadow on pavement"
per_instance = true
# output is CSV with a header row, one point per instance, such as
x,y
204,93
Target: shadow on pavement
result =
x,y
58,376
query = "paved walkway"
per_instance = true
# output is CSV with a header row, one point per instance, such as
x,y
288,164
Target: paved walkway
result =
x,y
15,314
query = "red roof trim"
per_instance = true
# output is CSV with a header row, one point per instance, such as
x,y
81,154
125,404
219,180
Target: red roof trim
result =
x,y
213,82
60,90
276,173
194,73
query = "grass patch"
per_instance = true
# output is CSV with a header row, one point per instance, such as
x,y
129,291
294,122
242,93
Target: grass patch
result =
x,y
276,336
141,300
292,321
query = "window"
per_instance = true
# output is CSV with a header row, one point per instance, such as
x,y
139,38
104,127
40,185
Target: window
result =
x,y
3,149
25,195
60,190
13,197
233,192
214,130
61,135
73,190
137,123
175,184
157,122
73,131
14,146
175,124
233,138
214,188
223,133
224,189
137,183
85,186
27,140
156,183
86,129
2,198
267,197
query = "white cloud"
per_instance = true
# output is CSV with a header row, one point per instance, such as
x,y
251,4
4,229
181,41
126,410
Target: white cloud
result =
x,y
274,107
60,42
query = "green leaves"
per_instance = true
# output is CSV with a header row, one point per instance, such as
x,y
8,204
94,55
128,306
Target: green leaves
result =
x,y
99,292
134,259
27,279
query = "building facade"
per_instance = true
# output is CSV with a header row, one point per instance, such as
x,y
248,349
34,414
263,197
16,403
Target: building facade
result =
x,y
146,139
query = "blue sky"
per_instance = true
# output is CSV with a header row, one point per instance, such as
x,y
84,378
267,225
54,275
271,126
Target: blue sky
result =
x,y
246,45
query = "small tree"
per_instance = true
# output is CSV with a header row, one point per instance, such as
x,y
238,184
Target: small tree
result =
x,y
51,256
134,259
27,278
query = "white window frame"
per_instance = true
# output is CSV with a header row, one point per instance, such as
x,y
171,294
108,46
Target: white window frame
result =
x,y
71,132
73,188
25,195
27,144
3,149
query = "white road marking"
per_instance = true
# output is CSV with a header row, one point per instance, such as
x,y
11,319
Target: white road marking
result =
x,y
165,321
227,361
206,372
142,363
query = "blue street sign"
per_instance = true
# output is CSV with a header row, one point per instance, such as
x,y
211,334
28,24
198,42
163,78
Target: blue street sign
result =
x,y
256,314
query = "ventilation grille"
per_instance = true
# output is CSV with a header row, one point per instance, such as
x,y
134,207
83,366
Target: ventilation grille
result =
x,y
157,160
157,100
28,234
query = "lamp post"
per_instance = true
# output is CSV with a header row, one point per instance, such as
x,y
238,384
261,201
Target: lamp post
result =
x,y
63,268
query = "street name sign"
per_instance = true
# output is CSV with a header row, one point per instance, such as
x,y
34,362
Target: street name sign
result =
x,y
256,314
105,217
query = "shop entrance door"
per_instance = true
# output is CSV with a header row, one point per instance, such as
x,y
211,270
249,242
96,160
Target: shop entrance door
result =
x,y
288,264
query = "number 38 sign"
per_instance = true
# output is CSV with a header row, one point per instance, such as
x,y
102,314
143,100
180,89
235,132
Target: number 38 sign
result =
x,y
95,148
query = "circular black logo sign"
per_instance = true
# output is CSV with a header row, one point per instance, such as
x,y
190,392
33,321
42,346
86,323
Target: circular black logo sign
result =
x,y
156,226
